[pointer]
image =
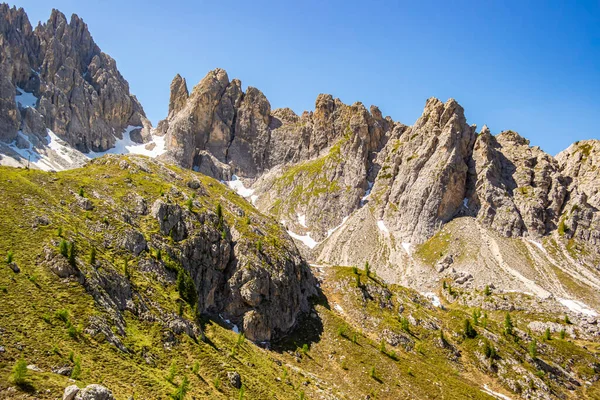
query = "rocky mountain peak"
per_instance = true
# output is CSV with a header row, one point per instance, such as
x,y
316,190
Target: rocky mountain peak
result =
x,y
73,89
514,137
179,94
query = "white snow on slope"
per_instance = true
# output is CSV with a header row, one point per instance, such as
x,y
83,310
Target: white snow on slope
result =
x,y
433,298
406,247
39,156
306,239
537,244
497,395
302,220
236,184
25,99
363,200
43,156
578,307
382,227
330,231
128,146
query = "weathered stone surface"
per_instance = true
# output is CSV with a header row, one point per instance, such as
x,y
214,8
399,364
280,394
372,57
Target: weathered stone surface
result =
x,y
422,179
517,189
94,392
82,97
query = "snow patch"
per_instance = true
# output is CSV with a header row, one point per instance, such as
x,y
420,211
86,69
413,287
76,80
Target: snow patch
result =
x,y
465,202
497,395
578,307
24,99
339,308
330,231
306,239
382,227
406,247
537,244
128,146
433,298
363,200
236,184
253,199
302,220
234,326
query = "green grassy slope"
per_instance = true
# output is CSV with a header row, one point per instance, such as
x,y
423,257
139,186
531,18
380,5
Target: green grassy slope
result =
x,y
335,352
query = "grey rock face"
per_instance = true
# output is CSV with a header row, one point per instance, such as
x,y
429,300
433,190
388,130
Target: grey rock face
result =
x,y
134,242
94,392
81,95
517,188
219,130
422,179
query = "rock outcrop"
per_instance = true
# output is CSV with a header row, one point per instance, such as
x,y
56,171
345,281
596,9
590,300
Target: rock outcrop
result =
x,y
422,179
317,163
516,189
55,77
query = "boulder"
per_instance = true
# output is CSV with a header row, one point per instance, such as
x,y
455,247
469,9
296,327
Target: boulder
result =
x,y
234,379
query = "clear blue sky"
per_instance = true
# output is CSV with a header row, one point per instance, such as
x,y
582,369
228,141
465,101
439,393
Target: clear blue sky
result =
x,y
530,66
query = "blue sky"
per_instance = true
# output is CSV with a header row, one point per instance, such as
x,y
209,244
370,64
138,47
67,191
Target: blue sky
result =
x,y
529,66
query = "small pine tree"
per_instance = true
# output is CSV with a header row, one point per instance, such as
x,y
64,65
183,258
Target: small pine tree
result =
x,y
484,320
567,320
373,373
190,205
354,338
19,372
159,254
76,371
367,269
81,192
217,383
93,256
382,348
487,291
488,350
72,252
219,216
355,270
508,325
533,349
304,348
182,389
9,257
547,334
196,368
444,285
59,231
443,340
172,372
259,246
63,247
357,277
242,392
469,331
476,315
126,268
562,334
241,339
405,324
